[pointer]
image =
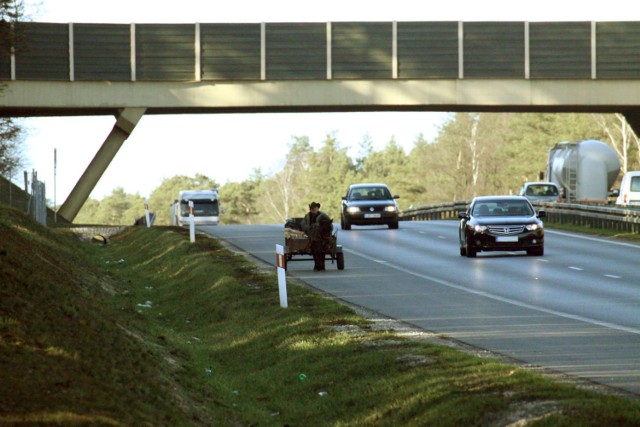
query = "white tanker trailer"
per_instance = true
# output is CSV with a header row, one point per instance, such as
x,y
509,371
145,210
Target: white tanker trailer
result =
x,y
584,170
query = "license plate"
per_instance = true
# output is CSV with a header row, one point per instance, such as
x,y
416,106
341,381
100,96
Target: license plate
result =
x,y
374,215
507,239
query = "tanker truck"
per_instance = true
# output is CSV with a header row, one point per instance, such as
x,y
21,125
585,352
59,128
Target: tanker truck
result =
x,y
585,170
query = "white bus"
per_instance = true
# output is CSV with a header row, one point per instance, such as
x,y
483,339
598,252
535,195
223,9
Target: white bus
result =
x,y
206,210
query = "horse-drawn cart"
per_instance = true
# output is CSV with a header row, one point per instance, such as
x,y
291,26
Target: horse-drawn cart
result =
x,y
297,245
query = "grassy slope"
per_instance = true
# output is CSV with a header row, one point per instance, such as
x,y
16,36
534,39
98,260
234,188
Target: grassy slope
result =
x,y
63,355
154,330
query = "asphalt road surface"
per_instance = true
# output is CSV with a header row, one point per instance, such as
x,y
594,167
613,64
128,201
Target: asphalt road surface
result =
x,y
575,310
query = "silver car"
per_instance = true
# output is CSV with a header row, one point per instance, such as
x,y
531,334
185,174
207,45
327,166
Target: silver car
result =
x,y
541,191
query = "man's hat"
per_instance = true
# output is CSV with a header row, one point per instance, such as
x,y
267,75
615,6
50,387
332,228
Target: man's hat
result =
x,y
314,205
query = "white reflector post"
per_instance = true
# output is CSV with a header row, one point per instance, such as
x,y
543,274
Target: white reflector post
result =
x,y
192,223
282,277
146,212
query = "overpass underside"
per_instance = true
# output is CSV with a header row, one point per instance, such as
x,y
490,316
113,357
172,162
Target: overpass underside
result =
x,y
45,98
129,70
128,102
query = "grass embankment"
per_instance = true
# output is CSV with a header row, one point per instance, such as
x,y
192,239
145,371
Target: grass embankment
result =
x,y
153,330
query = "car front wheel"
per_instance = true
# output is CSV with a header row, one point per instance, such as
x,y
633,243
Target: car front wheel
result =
x,y
536,251
471,251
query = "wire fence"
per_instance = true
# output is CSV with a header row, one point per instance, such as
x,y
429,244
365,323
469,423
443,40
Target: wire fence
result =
x,y
32,199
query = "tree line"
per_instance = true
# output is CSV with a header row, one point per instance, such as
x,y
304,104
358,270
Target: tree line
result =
x,y
11,134
473,154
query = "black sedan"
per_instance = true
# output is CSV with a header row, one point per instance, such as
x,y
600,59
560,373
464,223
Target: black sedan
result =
x,y
501,223
369,204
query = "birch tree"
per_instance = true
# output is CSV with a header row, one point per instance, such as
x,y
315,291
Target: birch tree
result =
x,y
621,137
287,188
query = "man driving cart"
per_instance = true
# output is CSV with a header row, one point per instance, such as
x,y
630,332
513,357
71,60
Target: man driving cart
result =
x,y
318,226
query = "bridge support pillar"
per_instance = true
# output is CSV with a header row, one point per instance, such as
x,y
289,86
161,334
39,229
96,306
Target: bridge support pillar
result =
x,y
126,121
633,118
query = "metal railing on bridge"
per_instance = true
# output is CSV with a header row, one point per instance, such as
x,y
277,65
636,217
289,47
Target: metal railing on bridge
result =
x,y
598,217
321,51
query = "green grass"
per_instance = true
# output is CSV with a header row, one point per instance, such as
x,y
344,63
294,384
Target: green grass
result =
x,y
154,330
594,231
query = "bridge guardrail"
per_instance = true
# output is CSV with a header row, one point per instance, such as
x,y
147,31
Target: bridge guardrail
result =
x,y
604,217
293,51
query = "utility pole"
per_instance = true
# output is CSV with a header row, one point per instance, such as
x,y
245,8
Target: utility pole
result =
x,y
55,204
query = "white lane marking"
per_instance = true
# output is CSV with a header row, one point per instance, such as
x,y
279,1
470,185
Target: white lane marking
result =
x,y
576,268
595,239
503,299
542,260
442,237
612,276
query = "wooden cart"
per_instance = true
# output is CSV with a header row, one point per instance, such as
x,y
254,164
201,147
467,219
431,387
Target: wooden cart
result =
x,y
297,246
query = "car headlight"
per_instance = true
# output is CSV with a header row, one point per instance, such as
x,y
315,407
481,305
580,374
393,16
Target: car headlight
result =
x,y
477,228
533,227
353,209
390,209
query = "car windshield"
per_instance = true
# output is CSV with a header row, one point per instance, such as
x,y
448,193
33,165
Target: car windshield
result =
x,y
541,190
370,193
502,208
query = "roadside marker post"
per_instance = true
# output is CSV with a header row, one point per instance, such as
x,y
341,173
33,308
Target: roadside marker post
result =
x,y
192,223
282,277
146,212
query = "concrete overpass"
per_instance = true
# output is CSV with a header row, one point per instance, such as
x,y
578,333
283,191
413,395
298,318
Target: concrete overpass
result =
x,y
131,70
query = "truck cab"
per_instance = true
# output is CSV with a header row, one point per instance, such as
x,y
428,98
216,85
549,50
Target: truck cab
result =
x,y
629,194
206,210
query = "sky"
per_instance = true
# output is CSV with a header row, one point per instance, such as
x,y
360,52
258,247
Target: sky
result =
x,y
228,147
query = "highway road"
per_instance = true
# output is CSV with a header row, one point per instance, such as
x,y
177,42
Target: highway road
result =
x,y
574,310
